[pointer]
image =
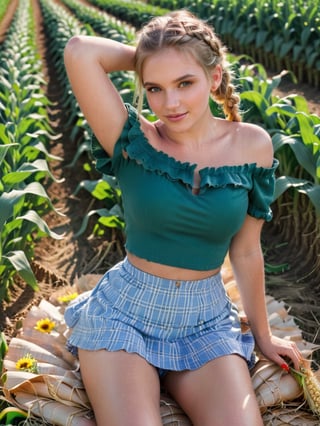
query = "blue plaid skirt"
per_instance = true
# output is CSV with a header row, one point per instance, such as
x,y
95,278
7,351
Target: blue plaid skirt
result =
x,y
174,325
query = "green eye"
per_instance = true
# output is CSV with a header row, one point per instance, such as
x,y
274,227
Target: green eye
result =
x,y
153,89
185,83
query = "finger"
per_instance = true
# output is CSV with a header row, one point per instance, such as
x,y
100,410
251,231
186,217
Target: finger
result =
x,y
282,363
292,353
296,357
285,367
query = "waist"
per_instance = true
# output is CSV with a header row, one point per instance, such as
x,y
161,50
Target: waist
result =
x,y
169,272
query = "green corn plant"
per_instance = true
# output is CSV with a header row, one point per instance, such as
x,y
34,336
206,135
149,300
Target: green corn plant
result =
x,y
301,134
24,135
135,13
101,22
289,123
3,350
257,92
60,26
107,191
278,34
295,135
19,225
11,415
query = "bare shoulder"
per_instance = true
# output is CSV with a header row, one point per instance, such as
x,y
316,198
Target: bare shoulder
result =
x,y
146,125
150,131
257,144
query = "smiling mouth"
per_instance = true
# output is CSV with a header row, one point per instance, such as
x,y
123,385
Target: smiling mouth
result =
x,y
176,117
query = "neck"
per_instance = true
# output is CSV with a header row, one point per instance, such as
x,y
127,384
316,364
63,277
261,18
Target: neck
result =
x,y
195,137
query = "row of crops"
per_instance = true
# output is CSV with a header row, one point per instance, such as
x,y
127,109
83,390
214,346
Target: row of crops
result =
x,y
25,134
278,34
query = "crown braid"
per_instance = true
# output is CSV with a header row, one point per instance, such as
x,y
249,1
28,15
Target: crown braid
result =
x,y
204,33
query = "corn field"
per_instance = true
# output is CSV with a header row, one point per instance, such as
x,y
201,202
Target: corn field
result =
x,y
282,37
25,131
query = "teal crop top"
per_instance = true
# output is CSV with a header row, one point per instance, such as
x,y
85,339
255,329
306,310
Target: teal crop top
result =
x,y
165,222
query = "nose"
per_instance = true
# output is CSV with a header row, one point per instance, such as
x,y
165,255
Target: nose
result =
x,y
172,99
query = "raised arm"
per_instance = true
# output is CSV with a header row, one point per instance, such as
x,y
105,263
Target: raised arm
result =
x,y
88,61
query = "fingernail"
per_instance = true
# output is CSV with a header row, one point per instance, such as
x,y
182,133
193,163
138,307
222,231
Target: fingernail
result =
x,y
285,367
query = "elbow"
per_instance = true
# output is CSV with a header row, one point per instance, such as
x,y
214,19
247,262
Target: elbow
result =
x,y
73,47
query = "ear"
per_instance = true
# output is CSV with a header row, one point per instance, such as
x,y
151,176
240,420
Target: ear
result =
x,y
216,78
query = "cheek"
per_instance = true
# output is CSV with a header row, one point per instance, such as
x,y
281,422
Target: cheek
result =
x,y
201,98
154,102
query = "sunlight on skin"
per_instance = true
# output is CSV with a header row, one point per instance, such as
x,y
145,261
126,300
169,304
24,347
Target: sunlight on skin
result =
x,y
246,402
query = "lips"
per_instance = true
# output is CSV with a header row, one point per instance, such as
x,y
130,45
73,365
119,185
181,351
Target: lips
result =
x,y
176,117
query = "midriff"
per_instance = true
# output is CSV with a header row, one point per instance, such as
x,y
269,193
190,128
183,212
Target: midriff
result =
x,y
169,272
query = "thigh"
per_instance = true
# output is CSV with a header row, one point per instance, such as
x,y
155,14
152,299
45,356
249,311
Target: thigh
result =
x,y
218,394
122,387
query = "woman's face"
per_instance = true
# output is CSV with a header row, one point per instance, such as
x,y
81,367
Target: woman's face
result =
x,y
178,88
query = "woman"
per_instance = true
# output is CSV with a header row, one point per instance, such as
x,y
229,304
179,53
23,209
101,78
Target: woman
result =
x,y
194,187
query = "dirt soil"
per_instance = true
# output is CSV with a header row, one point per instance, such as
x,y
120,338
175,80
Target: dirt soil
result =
x,y
60,262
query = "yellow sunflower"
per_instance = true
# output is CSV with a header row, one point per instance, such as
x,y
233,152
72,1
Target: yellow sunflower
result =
x,y
27,363
45,325
66,298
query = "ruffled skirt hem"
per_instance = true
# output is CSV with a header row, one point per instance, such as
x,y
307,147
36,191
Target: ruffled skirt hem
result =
x,y
173,325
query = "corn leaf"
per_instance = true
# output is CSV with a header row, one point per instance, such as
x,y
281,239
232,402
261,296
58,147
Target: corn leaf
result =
x,y
3,350
9,199
20,263
303,153
33,217
307,129
26,170
12,415
114,218
32,150
283,183
314,195
4,150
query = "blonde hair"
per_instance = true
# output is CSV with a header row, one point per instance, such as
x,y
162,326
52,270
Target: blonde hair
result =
x,y
183,30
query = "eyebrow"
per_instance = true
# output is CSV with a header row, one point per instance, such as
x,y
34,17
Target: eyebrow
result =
x,y
177,80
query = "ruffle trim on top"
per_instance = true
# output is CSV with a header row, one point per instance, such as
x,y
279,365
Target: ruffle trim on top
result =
x,y
140,150
103,161
136,146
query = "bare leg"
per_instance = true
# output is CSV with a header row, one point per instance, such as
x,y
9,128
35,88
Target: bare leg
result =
x,y
123,388
218,394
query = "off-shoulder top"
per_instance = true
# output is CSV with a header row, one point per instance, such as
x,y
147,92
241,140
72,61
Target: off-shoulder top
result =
x,y
165,222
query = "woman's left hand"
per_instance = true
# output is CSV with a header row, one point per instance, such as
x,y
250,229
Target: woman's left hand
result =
x,y
278,350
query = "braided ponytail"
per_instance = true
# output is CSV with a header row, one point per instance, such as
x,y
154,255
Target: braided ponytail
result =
x,y
181,29
227,97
